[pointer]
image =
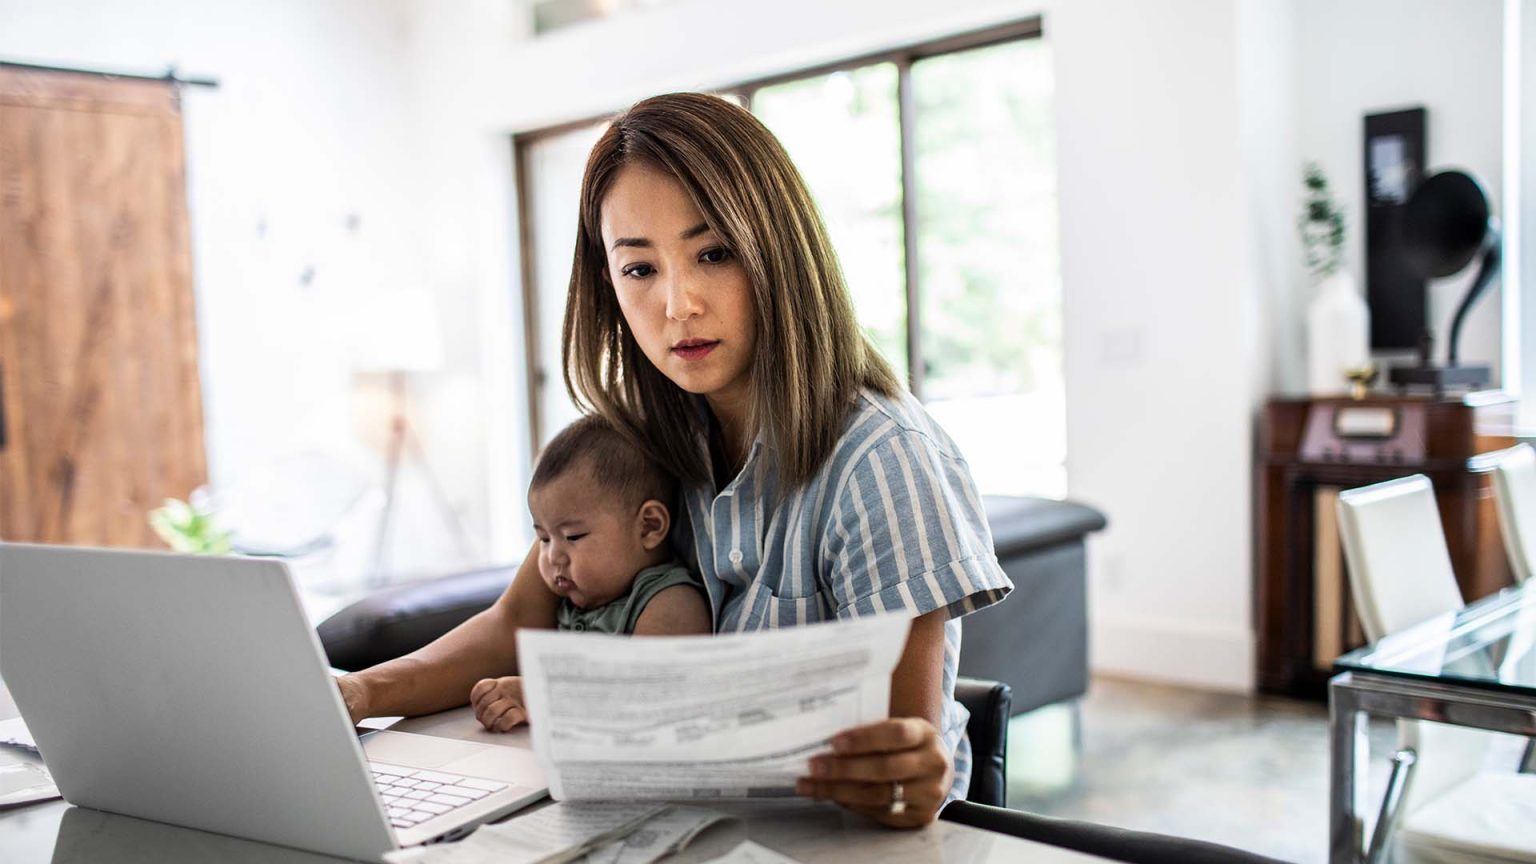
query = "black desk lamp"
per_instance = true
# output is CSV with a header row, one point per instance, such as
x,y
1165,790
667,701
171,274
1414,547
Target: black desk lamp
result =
x,y
1446,224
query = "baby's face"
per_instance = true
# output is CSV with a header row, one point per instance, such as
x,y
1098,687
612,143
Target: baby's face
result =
x,y
590,548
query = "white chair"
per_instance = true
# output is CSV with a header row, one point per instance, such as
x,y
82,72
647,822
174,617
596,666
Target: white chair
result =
x,y
1514,489
1453,810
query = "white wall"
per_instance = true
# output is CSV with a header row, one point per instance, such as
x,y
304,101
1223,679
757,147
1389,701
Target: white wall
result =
x,y
1164,355
1181,126
310,124
1520,185
1365,56
1164,286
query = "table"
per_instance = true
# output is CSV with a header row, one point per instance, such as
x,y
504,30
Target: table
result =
x,y
807,831
1474,667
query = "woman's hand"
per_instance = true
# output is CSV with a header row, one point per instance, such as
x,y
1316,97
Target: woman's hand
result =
x,y
867,762
498,703
355,694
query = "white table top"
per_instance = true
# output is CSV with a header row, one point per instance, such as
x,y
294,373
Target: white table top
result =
x,y
806,831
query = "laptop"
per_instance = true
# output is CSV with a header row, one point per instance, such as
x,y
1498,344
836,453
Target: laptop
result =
x,y
192,690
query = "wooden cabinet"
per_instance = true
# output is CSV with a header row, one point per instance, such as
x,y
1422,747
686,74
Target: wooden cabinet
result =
x,y
1311,449
100,403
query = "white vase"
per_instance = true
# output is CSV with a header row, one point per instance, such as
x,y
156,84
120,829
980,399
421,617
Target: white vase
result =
x,y
1338,335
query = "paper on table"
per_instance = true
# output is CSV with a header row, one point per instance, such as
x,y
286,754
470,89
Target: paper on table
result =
x,y
725,716
559,832
666,832
747,852
24,783
14,733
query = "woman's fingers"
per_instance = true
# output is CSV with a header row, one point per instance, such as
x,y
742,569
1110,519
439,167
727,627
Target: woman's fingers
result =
x,y
850,793
881,767
923,798
897,733
868,761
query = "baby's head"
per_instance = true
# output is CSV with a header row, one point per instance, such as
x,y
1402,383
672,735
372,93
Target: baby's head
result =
x,y
601,509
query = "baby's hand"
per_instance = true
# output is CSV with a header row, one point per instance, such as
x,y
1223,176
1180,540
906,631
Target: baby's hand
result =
x,y
498,703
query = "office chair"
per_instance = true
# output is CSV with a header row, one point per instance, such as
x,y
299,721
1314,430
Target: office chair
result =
x,y
989,703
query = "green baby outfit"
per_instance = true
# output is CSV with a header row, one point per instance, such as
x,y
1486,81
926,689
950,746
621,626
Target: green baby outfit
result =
x,y
619,616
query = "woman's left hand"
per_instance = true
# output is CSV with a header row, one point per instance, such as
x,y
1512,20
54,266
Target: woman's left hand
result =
x,y
868,761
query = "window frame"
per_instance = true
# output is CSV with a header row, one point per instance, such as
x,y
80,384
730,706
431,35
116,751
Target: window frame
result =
x,y
902,57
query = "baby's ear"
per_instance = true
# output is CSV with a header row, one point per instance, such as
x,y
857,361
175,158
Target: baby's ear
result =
x,y
655,521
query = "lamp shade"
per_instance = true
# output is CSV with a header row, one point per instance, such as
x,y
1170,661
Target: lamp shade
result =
x,y
397,331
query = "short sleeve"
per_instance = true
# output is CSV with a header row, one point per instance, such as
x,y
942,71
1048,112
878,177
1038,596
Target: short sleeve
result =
x,y
908,532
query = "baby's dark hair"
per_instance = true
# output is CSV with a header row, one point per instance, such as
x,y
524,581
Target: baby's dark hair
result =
x,y
616,463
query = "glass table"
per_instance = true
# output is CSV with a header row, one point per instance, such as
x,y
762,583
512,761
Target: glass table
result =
x,y
1473,667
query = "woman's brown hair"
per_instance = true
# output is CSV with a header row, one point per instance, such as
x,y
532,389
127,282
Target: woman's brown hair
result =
x,y
812,358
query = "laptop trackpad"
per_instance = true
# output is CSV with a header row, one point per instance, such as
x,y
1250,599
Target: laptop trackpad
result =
x,y
511,764
417,751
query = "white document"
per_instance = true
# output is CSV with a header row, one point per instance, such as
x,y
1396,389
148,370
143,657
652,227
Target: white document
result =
x,y
559,832
729,716
24,783
663,834
23,778
14,733
747,852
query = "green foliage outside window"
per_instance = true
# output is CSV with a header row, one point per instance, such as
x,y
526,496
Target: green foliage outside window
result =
x,y
987,210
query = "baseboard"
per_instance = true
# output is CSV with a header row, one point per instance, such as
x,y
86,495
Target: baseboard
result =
x,y
1177,652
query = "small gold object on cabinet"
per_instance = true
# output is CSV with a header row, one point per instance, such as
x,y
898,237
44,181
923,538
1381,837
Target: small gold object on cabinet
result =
x,y
1360,380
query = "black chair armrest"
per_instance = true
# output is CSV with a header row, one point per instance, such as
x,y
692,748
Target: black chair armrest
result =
x,y
397,620
989,704
1117,844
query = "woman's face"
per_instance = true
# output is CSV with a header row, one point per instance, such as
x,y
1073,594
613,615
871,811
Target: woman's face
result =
x,y
684,295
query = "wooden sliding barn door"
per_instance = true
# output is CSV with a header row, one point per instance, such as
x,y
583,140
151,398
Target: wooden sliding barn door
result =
x,y
100,404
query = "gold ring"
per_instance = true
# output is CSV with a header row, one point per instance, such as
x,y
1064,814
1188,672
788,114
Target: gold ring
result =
x,y
898,799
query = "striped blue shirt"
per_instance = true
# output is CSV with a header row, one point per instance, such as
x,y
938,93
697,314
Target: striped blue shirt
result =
x,y
891,522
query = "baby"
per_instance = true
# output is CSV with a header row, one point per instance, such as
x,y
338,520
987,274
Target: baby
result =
x,y
601,510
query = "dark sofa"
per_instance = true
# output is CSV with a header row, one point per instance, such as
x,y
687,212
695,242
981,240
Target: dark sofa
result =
x,y
1036,640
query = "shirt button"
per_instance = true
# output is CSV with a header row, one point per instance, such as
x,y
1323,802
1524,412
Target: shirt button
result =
x,y
735,556
578,626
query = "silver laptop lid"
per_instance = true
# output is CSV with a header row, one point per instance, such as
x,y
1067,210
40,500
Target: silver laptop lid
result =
x,y
185,689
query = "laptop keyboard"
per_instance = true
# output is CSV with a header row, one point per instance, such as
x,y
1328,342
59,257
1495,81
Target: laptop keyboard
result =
x,y
412,796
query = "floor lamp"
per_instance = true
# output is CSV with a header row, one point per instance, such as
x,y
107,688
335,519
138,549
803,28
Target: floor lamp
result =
x,y
401,337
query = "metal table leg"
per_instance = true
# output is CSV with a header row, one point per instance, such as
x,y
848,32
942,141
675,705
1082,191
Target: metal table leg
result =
x,y
1355,697
1350,751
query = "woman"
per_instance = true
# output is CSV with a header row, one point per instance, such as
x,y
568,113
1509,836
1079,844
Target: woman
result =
x,y
707,316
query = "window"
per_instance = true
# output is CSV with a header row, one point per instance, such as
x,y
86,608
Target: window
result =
x,y
988,281
843,133
550,191
934,168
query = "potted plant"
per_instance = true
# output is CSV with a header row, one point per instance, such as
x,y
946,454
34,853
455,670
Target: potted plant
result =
x,y
186,528
1338,323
